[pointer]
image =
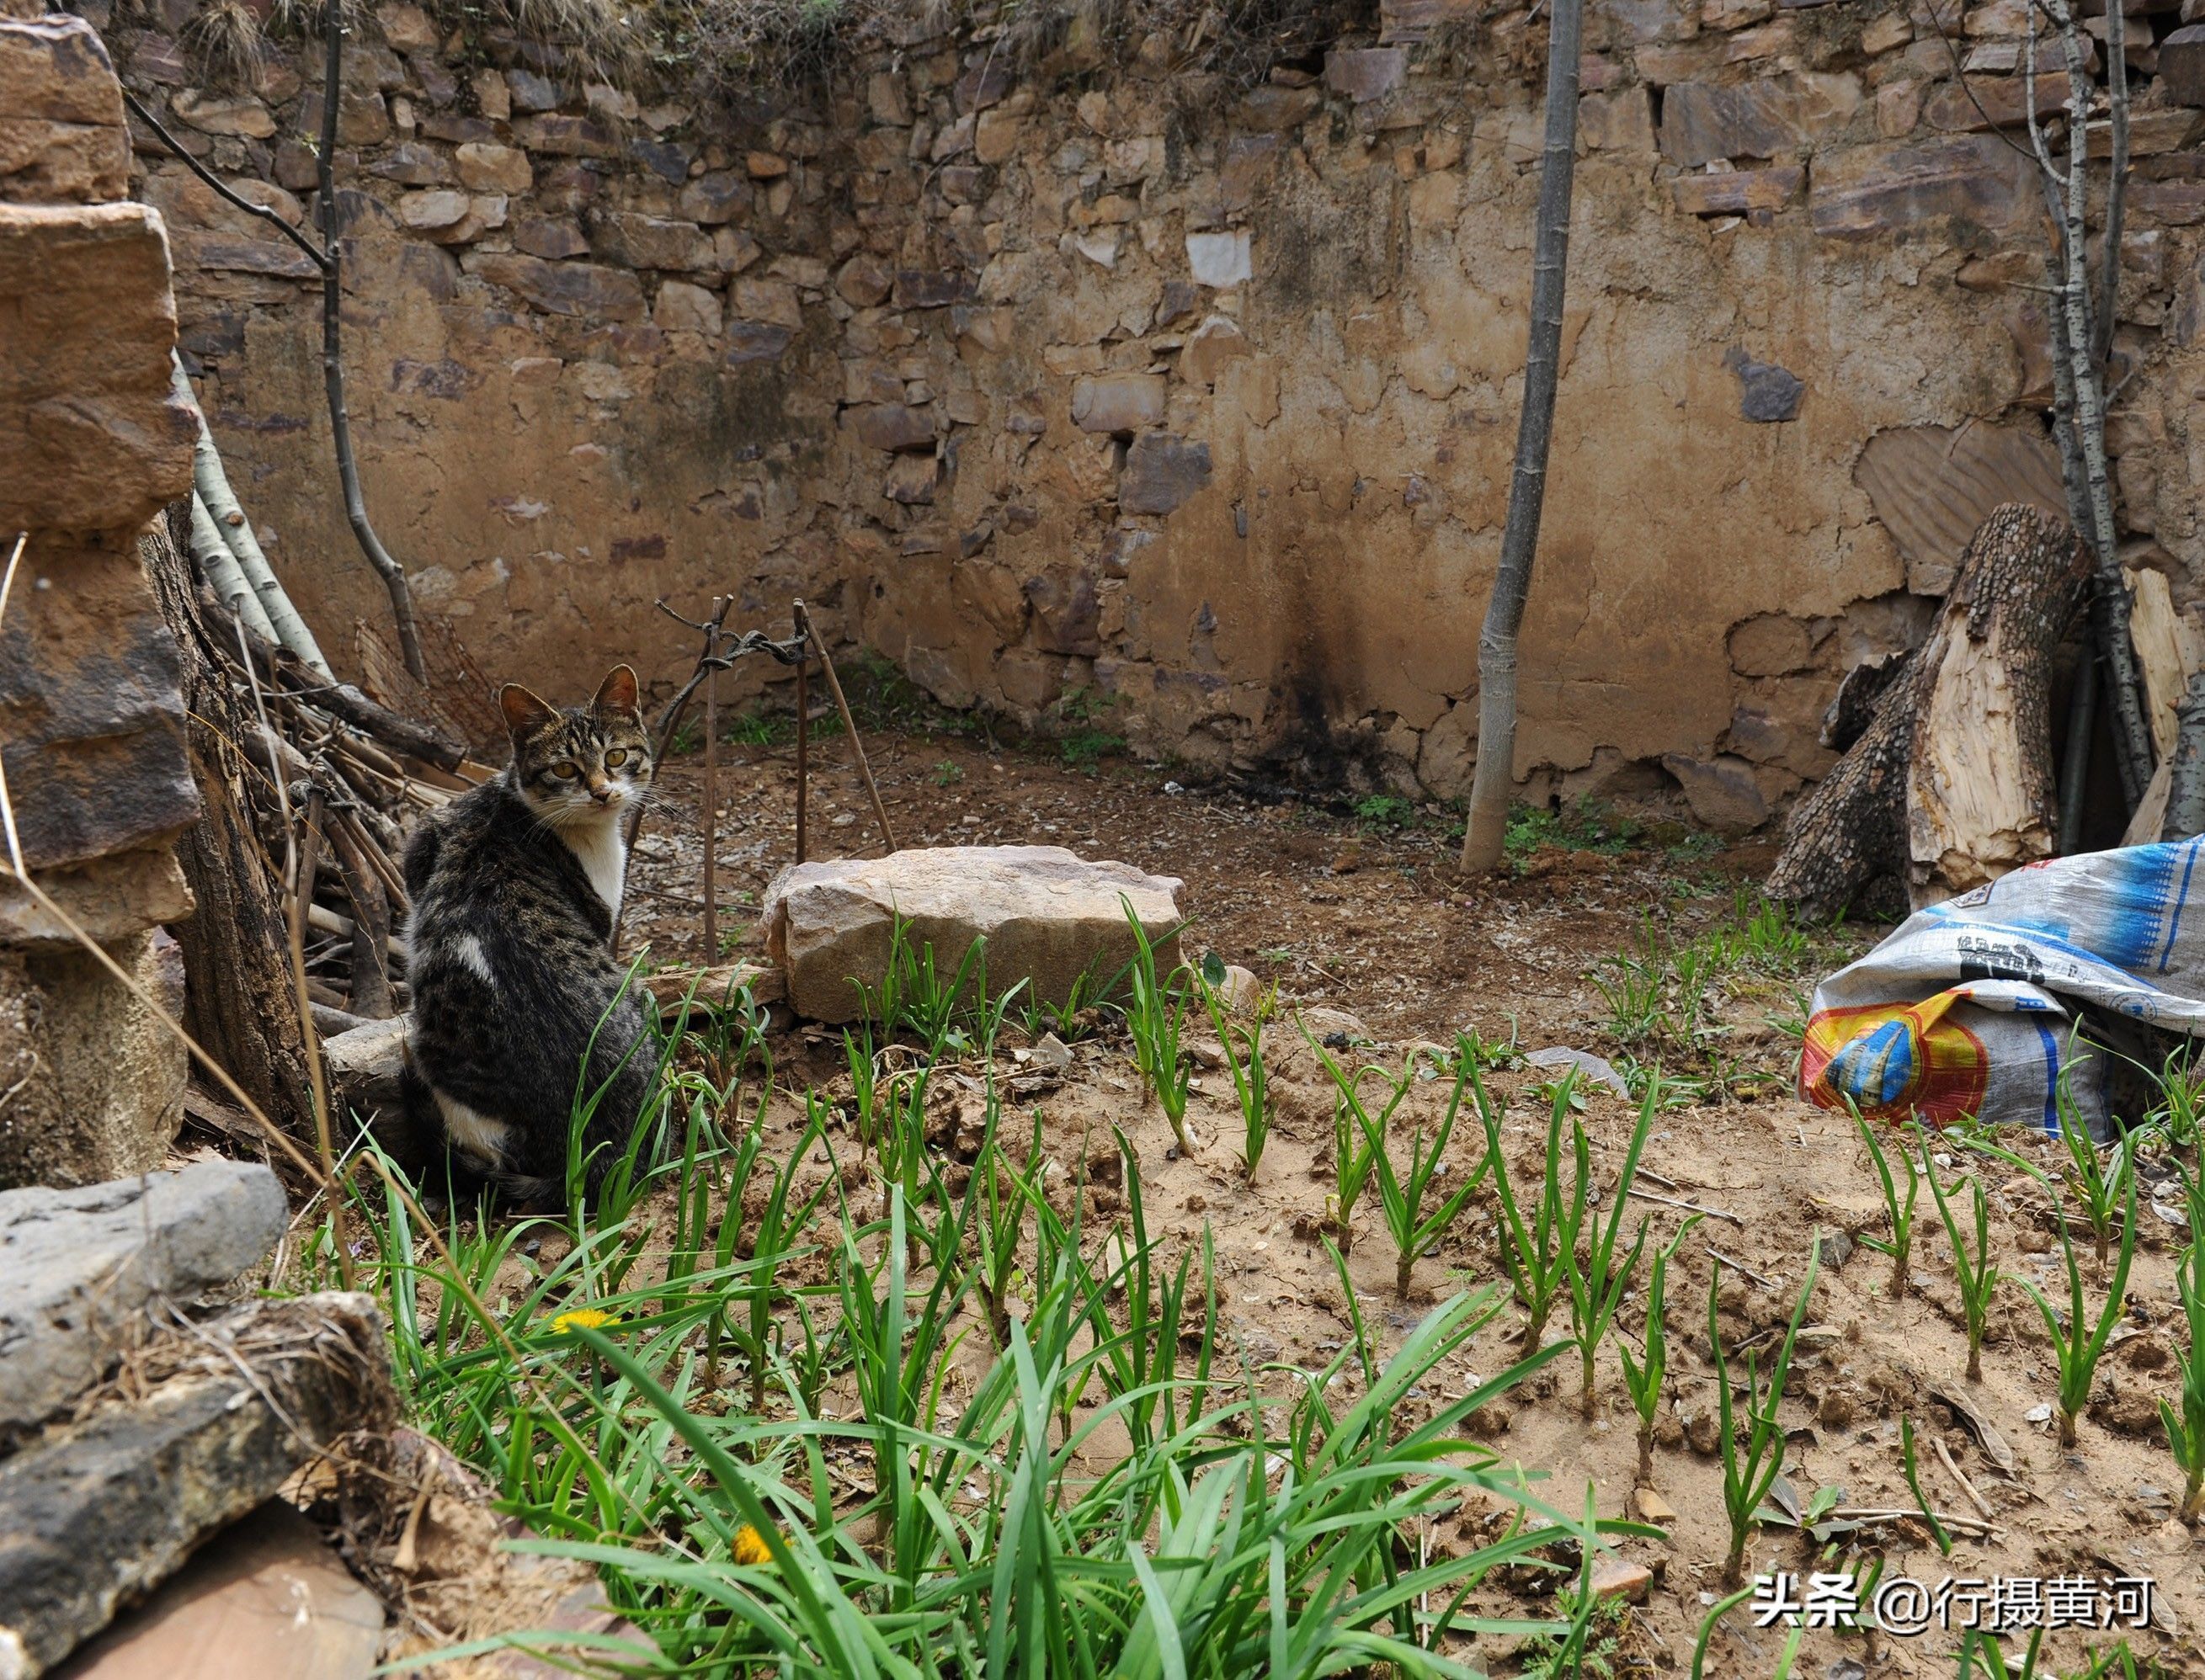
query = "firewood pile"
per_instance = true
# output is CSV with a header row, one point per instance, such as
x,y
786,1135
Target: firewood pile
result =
x,y
309,786
339,779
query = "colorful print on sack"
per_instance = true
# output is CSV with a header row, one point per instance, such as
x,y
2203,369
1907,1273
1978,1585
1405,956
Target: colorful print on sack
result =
x,y
1895,1061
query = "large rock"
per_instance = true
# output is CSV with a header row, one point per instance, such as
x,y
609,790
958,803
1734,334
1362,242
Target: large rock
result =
x,y
1721,791
62,134
1736,191
1873,191
2182,65
1209,347
487,168
1118,401
586,289
1976,102
1774,117
109,899
1161,472
92,435
890,426
78,1266
362,1065
651,242
94,745
94,1515
266,1599
1049,917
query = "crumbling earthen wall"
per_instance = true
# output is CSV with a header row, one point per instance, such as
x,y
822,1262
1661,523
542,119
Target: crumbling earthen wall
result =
x,y
1198,398
92,445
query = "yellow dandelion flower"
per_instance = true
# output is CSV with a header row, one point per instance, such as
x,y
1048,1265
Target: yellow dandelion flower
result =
x,y
751,1547
581,1318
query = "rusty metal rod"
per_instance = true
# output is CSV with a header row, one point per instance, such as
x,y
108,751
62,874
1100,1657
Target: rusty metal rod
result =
x,y
803,728
849,724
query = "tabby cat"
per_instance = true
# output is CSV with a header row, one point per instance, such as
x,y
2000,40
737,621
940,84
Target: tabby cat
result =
x,y
519,1007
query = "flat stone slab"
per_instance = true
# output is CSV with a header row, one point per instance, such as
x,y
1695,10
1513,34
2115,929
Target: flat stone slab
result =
x,y
1049,916
77,1268
266,1599
95,1516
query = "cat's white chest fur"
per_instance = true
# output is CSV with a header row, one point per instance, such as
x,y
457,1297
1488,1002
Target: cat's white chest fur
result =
x,y
603,858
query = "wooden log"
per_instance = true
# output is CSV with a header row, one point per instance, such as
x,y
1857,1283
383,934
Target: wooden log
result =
x,y
2167,652
1980,788
1951,783
238,1000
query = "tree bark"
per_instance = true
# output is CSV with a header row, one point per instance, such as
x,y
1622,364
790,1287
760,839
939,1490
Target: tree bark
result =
x,y
1496,777
238,1001
1952,783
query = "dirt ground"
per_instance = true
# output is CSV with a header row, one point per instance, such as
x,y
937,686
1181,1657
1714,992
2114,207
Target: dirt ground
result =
x,y
1348,916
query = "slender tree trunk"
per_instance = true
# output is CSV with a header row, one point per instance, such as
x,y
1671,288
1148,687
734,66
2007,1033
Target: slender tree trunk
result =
x,y
1512,584
392,574
2082,340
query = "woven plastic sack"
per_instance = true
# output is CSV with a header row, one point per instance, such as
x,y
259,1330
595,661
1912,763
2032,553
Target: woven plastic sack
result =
x,y
1980,1006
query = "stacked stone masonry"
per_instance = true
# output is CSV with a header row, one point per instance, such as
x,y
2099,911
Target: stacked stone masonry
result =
x,y
92,446
1199,397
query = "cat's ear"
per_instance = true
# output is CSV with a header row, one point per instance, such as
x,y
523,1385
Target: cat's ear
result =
x,y
616,693
524,712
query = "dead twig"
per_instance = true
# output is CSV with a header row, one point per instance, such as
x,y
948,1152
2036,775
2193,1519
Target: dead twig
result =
x,y
1741,1269
1952,1520
1945,1458
1689,1207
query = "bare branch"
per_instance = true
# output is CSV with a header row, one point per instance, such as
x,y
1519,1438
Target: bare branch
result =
x,y
222,189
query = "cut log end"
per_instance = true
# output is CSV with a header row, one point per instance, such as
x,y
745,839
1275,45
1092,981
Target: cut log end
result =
x,y
1948,782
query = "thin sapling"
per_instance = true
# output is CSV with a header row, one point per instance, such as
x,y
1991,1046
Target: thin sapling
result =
x,y
1416,1227
1898,1209
2185,1417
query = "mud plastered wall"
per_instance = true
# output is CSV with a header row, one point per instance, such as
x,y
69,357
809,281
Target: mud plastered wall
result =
x,y
1100,374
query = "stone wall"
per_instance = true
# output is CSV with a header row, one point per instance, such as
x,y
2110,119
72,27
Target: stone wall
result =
x,y
92,446
1199,397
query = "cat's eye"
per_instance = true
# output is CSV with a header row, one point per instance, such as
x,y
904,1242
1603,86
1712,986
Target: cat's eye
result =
x,y
565,772
616,757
